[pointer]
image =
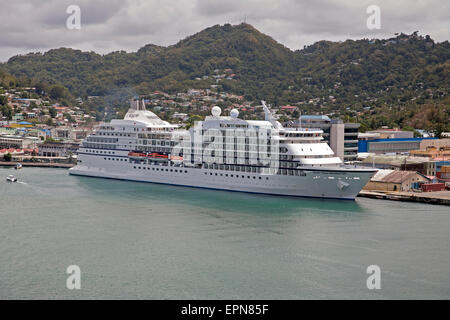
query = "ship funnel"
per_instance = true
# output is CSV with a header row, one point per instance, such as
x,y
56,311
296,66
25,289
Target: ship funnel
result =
x,y
137,104
143,105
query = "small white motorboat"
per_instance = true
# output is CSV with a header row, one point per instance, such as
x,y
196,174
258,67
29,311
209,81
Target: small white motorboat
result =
x,y
18,166
11,178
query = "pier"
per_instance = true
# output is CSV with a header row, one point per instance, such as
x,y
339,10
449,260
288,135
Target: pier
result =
x,y
437,197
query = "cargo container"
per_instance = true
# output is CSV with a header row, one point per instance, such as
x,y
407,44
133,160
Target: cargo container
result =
x,y
428,187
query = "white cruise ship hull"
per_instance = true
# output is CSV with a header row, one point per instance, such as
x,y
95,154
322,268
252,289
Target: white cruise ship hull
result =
x,y
335,183
228,153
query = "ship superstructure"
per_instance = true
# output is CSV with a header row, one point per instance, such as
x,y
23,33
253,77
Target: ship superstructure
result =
x,y
220,152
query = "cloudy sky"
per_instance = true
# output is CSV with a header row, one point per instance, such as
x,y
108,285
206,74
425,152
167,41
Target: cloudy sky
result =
x,y
109,25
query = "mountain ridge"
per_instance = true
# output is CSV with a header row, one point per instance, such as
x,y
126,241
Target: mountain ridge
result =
x,y
406,70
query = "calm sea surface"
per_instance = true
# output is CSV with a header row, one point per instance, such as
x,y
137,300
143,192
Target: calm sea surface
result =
x,y
145,241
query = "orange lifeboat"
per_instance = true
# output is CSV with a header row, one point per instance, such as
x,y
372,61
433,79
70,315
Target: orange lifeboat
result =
x,y
136,154
155,155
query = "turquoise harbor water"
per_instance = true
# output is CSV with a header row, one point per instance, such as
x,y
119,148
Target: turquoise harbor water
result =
x,y
145,241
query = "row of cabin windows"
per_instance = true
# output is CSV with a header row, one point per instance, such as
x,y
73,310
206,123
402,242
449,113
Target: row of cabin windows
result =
x,y
228,145
281,171
223,125
159,136
236,140
161,169
232,175
158,142
115,134
107,140
301,135
116,159
98,146
285,172
232,167
100,151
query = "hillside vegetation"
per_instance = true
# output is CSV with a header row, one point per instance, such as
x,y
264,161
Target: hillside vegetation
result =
x,y
400,81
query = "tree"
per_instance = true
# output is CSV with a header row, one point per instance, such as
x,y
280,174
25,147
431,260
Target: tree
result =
x,y
49,139
52,112
58,92
192,119
68,116
7,157
40,87
6,112
438,128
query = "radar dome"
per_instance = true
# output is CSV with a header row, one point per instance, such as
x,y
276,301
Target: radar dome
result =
x,y
234,113
216,111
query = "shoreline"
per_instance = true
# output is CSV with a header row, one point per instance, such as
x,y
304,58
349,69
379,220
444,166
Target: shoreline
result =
x,y
437,197
37,164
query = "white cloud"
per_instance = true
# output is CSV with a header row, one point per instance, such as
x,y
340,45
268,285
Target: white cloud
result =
x,y
109,25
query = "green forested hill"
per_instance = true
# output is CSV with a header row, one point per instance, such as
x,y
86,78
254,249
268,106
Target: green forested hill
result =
x,y
252,55
406,71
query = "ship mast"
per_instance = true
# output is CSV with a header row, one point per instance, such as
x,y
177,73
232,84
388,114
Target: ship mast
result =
x,y
268,116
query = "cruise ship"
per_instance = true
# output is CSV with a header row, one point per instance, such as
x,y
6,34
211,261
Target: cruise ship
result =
x,y
220,152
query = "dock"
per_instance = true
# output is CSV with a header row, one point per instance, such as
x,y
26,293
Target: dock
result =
x,y
437,197
38,164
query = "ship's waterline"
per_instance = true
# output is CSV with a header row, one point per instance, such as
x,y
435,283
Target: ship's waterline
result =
x,y
316,184
149,241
